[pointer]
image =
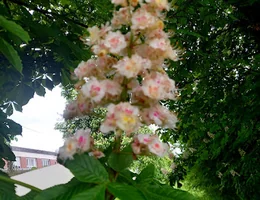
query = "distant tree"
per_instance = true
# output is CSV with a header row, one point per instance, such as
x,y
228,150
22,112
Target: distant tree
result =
x,y
219,101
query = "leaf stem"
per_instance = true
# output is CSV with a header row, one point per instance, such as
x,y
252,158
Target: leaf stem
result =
x,y
9,180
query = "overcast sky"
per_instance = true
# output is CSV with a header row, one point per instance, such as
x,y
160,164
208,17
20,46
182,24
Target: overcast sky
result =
x,y
38,119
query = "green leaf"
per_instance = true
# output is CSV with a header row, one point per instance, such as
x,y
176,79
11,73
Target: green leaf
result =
x,y
121,160
15,128
7,190
37,86
14,29
87,169
94,193
147,175
28,196
48,83
17,107
125,192
165,192
65,78
9,110
5,151
126,176
40,91
63,191
21,94
11,54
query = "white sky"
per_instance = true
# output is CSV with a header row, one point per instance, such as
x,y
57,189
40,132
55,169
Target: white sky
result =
x,y
38,119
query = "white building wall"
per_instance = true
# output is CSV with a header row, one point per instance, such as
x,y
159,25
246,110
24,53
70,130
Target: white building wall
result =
x,y
33,155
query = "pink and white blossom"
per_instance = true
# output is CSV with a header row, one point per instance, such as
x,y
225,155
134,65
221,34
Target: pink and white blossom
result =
x,y
115,42
84,69
109,124
159,43
127,117
96,34
131,67
146,143
112,88
126,75
121,17
159,86
158,148
142,19
144,138
83,139
93,89
100,49
68,149
123,116
160,116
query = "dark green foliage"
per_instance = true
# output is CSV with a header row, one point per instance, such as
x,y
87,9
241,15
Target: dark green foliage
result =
x,y
8,129
219,99
7,190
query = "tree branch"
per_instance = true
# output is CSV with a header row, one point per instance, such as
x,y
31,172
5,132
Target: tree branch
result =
x,y
48,14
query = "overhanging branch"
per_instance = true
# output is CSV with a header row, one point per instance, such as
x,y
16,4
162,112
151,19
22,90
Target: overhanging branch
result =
x,y
48,14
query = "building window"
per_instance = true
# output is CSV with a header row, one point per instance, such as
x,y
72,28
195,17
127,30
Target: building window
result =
x,y
45,162
31,162
17,163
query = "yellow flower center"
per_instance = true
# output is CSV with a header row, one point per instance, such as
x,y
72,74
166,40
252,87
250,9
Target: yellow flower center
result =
x,y
128,119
